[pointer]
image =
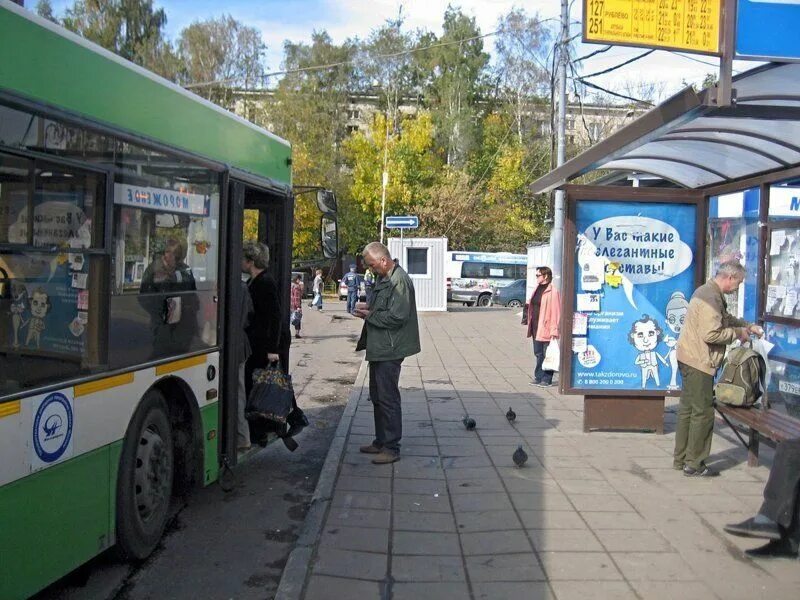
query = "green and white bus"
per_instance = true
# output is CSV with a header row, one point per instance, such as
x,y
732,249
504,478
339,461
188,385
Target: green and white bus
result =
x,y
114,395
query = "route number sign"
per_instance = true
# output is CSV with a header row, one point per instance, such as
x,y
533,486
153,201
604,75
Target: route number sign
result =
x,y
687,25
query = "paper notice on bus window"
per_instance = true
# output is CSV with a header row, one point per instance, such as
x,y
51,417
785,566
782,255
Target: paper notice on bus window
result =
x,y
777,240
79,280
776,273
588,302
790,302
495,272
580,323
780,292
579,344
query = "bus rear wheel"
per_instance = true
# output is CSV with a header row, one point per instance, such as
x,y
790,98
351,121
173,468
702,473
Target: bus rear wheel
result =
x,y
144,485
483,299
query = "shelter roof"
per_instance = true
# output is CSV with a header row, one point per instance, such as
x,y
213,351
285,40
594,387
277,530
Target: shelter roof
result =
x,y
694,143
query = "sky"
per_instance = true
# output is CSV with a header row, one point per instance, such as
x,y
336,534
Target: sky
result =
x,y
295,20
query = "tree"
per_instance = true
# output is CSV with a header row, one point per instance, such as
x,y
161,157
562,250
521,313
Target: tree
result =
x,y
386,68
413,167
456,64
133,29
522,46
44,9
308,109
221,54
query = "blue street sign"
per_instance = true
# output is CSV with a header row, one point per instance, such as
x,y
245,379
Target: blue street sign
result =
x,y
406,222
767,30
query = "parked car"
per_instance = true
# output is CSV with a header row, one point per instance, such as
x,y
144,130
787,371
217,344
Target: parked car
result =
x,y
362,291
512,295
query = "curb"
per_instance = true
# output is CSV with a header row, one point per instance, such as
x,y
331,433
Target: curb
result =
x,y
293,579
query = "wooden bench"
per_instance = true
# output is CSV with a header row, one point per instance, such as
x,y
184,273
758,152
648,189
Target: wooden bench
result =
x,y
762,422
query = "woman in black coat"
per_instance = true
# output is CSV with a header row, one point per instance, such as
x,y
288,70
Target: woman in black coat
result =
x,y
265,329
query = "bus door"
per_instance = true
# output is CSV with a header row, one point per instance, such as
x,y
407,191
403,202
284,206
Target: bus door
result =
x,y
262,215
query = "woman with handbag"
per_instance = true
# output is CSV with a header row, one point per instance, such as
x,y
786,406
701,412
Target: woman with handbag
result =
x,y
266,330
543,318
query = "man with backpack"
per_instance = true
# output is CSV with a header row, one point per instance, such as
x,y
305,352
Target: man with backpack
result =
x,y
707,330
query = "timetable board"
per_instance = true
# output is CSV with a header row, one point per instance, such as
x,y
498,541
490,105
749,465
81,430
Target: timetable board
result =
x,y
687,25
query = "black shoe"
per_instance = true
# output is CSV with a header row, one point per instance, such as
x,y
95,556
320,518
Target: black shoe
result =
x,y
703,471
774,549
750,528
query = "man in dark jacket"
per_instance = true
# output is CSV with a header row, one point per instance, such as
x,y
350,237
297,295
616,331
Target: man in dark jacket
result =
x,y
390,333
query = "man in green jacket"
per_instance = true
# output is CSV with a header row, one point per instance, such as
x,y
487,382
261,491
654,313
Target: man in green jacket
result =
x,y
390,334
707,330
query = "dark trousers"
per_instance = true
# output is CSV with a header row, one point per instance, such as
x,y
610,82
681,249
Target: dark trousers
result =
x,y
384,392
539,374
783,485
352,298
695,418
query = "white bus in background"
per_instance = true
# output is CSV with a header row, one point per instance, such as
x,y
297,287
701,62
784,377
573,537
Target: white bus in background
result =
x,y
471,275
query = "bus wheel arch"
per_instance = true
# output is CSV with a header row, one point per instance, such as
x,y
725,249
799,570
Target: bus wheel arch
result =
x,y
187,433
161,457
145,478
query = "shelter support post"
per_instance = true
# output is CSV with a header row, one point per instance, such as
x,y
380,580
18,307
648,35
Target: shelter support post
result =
x,y
629,413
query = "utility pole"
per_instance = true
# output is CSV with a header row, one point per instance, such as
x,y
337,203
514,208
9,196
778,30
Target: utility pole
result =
x,y
385,174
557,234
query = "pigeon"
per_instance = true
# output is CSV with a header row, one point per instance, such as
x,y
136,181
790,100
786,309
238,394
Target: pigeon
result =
x,y
469,422
511,415
520,457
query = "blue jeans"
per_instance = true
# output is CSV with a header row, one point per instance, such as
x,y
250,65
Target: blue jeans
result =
x,y
352,298
539,374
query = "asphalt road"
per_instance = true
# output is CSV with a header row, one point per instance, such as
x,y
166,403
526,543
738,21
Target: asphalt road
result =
x,y
235,544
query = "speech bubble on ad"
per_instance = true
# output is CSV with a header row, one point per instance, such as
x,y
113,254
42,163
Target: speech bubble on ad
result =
x,y
646,250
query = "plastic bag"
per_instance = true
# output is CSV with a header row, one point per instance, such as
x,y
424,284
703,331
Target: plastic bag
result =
x,y
551,357
272,395
763,347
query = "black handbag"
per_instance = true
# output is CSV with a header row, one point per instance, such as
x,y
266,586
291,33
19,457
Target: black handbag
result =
x,y
271,397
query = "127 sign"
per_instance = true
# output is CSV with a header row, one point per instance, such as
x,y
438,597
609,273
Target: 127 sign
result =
x,y
687,25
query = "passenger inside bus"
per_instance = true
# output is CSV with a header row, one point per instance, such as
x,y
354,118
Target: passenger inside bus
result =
x,y
168,272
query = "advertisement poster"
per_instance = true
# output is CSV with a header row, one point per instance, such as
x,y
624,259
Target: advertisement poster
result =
x,y
634,276
45,313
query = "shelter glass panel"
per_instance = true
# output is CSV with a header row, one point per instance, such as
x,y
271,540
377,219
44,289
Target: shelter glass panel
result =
x,y
733,235
783,385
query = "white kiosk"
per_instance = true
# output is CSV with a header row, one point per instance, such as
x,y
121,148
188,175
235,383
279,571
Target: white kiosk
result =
x,y
424,261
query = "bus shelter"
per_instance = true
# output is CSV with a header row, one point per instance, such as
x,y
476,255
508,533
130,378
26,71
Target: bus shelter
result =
x,y
687,186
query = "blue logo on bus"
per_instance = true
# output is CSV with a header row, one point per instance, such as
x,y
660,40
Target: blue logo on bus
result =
x,y
52,427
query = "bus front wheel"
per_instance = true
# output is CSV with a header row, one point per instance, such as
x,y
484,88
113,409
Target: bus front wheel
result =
x,y
144,486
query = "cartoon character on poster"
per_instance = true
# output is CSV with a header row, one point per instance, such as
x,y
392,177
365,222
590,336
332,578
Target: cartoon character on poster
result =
x,y
18,307
645,334
676,310
40,305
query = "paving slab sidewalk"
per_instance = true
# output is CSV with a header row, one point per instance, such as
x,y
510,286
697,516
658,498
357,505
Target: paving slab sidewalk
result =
x,y
600,515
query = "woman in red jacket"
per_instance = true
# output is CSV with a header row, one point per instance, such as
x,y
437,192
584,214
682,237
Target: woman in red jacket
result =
x,y
544,318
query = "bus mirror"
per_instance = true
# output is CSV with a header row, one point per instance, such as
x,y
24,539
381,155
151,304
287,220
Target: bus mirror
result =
x,y
329,237
326,201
